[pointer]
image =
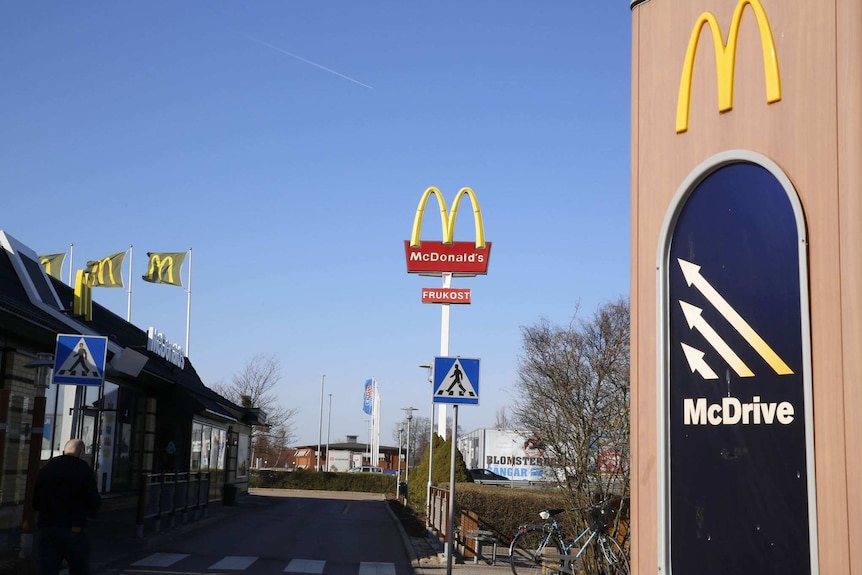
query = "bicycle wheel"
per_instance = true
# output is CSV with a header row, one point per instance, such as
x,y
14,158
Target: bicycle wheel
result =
x,y
525,552
614,560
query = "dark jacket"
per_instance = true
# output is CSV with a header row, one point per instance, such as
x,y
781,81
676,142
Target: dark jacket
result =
x,y
66,493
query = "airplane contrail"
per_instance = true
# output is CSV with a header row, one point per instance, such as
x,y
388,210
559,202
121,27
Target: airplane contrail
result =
x,y
301,59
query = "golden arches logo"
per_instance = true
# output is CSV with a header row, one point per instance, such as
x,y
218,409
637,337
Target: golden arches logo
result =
x,y
725,60
106,272
447,218
164,267
82,304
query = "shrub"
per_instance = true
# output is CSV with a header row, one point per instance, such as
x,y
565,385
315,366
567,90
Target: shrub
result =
x,y
323,481
503,509
418,487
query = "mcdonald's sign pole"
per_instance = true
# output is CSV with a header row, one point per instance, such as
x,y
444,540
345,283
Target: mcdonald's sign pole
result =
x,y
447,259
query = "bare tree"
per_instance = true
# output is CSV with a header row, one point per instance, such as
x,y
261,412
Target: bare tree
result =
x,y
573,393
419,428
501,420
420,432
254,386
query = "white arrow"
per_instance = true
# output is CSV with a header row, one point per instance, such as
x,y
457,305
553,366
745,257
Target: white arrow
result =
x,y
692,275
696,321
696,362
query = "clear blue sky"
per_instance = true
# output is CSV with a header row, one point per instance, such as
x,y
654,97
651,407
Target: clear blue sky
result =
x,y
288,144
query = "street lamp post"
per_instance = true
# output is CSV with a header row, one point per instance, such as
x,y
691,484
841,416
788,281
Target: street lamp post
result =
x,y
430,448
320,425
328,431
409,411
398,473
43,364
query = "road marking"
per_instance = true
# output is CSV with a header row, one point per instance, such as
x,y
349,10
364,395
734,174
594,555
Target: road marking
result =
x,y
160,560
234,563
370,568
305,566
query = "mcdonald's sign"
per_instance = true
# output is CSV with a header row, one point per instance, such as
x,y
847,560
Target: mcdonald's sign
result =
x,y
82,303
434,258
725,60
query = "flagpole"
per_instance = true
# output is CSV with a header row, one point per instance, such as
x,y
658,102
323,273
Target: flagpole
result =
x,y
129,308
189,304
71,255
375,427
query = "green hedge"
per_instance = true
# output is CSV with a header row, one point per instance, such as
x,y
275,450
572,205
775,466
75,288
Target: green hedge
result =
x,y
323,481
504,509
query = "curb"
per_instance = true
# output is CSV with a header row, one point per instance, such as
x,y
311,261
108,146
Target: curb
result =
x,y
414,545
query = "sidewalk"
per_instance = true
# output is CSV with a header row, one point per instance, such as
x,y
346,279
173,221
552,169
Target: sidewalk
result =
x,y
427,557
426,560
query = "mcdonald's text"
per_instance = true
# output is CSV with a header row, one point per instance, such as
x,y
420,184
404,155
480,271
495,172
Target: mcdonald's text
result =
x,y
445,295
457,258
159,344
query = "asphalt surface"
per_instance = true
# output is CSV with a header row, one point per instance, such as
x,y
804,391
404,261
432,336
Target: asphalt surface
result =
x,y
114,536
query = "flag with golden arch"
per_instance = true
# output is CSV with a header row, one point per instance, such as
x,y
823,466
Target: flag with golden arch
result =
x,y
53,264
106,272
164,268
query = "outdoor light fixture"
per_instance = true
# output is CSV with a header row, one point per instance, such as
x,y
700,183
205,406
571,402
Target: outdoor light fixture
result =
x,y
43,364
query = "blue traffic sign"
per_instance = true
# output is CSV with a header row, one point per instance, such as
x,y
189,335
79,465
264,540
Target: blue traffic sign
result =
x,y
456,380
80,359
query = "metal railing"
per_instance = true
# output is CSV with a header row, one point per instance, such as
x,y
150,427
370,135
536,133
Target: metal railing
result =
x,y
438,511
172,496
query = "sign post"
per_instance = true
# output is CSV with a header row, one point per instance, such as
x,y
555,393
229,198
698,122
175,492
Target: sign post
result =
x,y
456,381
447,259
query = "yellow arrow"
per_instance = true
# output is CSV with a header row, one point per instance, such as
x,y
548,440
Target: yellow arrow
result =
x,y
696,362
695,321
692,275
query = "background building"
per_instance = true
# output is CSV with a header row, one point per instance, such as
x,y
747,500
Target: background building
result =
x,y
517,455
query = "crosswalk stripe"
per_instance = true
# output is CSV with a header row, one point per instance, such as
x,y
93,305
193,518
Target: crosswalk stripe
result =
x,y
160,560
305,566
370,568
234,563
243,562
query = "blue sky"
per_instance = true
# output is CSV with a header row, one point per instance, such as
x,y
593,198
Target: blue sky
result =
x,y
289,143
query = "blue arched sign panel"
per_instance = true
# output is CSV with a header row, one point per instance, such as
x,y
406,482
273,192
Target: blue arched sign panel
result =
x,y
735,379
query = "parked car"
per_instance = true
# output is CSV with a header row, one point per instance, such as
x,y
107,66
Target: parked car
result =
x,y
366,469
483,475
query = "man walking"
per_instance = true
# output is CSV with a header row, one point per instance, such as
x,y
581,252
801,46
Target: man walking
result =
x,y
65,495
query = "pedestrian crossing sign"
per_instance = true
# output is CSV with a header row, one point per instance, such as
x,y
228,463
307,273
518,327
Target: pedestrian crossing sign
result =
x,y
456,380
80,359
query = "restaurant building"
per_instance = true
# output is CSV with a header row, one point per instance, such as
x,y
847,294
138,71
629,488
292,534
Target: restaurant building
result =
x,y
149,412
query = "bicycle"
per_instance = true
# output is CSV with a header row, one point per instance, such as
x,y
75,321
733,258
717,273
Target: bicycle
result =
x,y
539,547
